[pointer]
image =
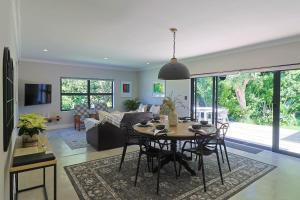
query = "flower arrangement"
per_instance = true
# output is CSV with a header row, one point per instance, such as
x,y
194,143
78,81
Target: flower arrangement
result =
x,y
31,124
169,104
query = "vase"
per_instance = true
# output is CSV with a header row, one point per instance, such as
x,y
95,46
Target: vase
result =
x,y
30,141
173,118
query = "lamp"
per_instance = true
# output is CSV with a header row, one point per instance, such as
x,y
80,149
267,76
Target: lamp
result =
x,y
174,70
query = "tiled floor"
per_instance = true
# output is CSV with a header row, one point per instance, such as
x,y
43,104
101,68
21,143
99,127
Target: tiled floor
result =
x,y
282,183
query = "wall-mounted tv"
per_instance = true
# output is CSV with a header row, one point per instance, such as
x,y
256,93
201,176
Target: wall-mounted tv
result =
x,y
36,94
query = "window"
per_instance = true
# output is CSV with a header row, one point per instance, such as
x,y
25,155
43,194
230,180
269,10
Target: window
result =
x,y
76,91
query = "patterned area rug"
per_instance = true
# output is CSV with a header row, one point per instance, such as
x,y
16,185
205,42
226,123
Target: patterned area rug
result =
x,y
73,138
100,179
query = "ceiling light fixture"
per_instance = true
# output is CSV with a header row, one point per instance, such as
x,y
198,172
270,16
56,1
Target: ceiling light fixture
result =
x,y
45,50
105,58
174,70
147,63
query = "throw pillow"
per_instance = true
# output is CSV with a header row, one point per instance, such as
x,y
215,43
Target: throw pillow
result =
x,y
155,109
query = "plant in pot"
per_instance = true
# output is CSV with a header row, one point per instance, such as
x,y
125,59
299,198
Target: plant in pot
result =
x,y
168,108
30,125
131,104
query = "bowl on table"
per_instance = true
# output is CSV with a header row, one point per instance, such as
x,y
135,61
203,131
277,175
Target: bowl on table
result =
x,y
160,127
145,122
196,126
156,118
204,122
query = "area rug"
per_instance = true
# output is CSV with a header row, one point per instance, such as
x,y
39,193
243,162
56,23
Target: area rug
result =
x,y
73,138
100,179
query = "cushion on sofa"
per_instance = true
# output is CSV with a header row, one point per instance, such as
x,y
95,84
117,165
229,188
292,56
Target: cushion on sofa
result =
x,y
155,109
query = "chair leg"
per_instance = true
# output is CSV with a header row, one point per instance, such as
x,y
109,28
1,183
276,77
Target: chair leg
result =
x,y
123,156
225,149
148,163
219,165
179,171
137,168
174,161
158,175
203,173
199,163
220,146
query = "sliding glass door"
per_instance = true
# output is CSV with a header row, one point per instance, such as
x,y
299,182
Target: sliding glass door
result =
x,y
245,101
262,108
289,132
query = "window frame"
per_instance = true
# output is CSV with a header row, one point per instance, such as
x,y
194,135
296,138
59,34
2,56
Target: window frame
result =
x,y
88,94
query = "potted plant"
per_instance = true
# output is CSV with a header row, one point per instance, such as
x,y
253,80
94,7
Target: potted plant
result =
x,y
30,125
168,108
131,104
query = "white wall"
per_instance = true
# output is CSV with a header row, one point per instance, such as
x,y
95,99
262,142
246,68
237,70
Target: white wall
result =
x,y
264,55
8,38
37,72
179,89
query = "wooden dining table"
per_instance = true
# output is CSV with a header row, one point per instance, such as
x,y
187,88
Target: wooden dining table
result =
x,y
181,132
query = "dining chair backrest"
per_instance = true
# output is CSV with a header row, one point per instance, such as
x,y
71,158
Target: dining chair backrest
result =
x,y
222,128
206,140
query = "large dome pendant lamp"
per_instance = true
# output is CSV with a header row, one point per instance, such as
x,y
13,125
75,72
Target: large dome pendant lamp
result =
x,y
174,70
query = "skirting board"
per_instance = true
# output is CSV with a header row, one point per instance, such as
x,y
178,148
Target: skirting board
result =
x,y
59,126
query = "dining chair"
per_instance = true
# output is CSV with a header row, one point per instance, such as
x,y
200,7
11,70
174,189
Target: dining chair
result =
x,y
222,130
131,137
153,153
206,145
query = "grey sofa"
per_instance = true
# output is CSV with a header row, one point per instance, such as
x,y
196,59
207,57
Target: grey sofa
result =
x,y
108,136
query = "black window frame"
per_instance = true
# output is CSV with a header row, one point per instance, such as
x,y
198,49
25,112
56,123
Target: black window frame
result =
x,y
88,94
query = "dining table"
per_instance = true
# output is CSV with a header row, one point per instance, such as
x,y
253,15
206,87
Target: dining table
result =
x,y
182,132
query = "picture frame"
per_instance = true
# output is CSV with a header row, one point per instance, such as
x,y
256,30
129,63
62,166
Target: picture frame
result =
x,y
158,89
8,98
126,89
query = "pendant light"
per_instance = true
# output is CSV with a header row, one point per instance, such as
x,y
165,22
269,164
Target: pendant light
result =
x,y
174,70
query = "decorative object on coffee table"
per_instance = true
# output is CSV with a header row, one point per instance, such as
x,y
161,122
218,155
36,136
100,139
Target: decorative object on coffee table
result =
x,y
30,125
126,89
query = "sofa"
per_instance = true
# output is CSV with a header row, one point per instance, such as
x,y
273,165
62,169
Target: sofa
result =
x,y
106,135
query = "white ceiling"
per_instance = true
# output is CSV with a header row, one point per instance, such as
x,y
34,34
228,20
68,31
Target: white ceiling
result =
x,y
133,32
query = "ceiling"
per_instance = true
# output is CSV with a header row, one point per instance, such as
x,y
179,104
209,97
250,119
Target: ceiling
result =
x,y
133,32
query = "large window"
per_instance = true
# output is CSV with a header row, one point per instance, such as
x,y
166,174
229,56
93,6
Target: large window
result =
x,y
76,91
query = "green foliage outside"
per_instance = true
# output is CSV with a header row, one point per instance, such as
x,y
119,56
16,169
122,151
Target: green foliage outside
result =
x,y
101,92
248,97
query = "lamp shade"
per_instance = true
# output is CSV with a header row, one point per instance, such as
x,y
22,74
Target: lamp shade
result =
x,y
174,71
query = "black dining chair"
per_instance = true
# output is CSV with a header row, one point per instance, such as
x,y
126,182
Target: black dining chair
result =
x,y
127,129
151,152
206,145
222,130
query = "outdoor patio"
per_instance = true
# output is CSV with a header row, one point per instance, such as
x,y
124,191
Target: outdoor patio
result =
x,y
262,135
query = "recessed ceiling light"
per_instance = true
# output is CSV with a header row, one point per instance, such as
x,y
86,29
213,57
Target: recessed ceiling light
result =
x,y
45,50
105,58
147,63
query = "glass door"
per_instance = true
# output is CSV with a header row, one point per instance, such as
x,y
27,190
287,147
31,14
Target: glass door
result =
x,y
289,121
245,102
203,99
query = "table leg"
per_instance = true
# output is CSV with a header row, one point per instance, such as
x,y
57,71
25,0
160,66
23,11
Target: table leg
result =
x,y
17,184
11,187
179,158
55,192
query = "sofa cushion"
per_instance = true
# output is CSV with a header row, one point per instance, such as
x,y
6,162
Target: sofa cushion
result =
x,y
155,109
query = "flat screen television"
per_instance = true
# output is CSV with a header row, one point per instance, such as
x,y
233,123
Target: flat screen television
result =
x,y
36,94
